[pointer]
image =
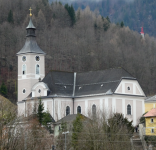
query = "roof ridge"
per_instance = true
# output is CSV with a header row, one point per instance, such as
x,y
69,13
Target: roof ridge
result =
x,y
61,71
100,70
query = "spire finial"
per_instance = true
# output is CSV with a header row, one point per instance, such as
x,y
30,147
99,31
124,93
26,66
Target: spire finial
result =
x,y
30,12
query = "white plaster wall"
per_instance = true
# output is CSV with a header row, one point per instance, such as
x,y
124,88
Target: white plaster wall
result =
x,y
57,106
112,104
29,79
31,63
25,84
21,109
137,105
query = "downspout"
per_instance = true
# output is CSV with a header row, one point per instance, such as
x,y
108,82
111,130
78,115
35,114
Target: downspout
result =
x,y
25,109
73,105
74,90
53,108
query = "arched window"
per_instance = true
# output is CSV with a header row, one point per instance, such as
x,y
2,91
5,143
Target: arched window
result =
x,y
128,109
94,110
79,109
37,69
67,110
24,69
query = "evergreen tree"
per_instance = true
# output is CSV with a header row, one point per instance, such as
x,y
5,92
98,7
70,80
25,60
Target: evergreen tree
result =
x,y
46,118
40,113
10,17
3,90
71,13
119,120
77,128
122,24
108,19
106,24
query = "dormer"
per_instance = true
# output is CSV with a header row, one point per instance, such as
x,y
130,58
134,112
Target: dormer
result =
x,y
40,89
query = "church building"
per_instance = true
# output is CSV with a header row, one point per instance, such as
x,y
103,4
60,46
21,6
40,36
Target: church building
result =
x,y
65,93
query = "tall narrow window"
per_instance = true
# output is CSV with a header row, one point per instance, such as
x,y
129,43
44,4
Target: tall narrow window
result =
x,y
67,110
24,69
128,109
94,110
79,109
37,69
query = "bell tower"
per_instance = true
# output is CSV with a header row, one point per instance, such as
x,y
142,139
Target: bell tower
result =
x,y
31,64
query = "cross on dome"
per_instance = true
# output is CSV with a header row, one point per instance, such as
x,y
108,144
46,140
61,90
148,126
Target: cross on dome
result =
x,y
30,12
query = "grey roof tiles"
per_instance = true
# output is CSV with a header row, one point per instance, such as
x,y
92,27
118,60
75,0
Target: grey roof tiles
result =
x,y
86,83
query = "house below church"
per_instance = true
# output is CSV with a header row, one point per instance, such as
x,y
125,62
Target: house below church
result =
x,y
64,93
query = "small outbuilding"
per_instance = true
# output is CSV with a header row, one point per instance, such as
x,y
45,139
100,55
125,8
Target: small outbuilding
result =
x,y
150,120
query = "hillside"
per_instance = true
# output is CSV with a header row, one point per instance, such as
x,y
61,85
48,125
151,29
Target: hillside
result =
x,y
83,42
134,13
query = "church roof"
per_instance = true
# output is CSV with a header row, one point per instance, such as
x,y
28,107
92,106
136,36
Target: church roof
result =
x,y
70,84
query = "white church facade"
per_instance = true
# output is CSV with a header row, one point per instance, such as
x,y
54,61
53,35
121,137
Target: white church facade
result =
x,y
64,93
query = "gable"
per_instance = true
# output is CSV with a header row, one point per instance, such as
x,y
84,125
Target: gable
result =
x,y
129,87
39,89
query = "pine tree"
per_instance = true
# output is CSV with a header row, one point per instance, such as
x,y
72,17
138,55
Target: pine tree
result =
x,y
3,90
108,19
122,24
10,17
77,128
40,113
46,118
71,13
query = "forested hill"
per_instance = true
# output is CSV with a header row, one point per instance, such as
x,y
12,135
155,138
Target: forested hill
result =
x,y
73,42
134,13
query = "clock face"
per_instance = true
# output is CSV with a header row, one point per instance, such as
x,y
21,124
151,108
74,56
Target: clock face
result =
x,y
24,58
37,58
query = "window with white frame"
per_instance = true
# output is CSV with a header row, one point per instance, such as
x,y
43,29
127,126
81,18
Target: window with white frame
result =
x,y
37,69
24,69
152,120
79,109
67,110
128,109
152,130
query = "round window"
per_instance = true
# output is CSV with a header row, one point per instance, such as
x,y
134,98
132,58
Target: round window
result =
x,y
24,91
24,58
128,88
37,58
39,91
